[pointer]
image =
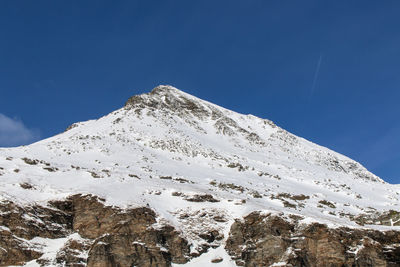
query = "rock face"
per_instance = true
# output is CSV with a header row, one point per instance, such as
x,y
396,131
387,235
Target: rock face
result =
x,y
108,236
262,240
14,251
97,235
18,224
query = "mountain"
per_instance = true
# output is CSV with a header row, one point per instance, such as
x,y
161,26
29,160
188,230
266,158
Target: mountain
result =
x,y
173,180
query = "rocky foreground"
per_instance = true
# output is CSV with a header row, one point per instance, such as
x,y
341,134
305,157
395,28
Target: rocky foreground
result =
x,y
95,235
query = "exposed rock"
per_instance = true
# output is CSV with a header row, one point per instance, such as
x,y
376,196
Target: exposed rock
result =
x,y
119,232
26,186
110,236
121,250
389,218
262,240
168,98
34,221
257,241
201,198
30,161
74,253
217,260
14,251
327,203
20,224
74,125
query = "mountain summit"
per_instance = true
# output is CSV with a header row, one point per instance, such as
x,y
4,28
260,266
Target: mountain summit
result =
x,y
171,179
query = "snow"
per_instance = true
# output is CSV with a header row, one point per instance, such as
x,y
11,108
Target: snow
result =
x,y
206,258
49,248
279,264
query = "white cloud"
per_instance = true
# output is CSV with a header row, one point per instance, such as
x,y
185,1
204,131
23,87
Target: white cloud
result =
x,y
14,133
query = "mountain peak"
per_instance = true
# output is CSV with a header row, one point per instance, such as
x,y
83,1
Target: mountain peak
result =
x,y
174,161
164,89
170,99
157,94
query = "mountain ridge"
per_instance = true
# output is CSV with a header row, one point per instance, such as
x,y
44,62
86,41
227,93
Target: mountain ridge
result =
x,y
195,167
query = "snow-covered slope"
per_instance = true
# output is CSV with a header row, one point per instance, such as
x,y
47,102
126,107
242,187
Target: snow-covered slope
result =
x,y
166,149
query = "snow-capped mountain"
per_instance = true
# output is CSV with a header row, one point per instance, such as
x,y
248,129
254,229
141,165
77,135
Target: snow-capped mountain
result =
x,y
197,168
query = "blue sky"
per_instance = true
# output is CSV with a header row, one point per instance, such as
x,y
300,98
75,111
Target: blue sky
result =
x,y
325,70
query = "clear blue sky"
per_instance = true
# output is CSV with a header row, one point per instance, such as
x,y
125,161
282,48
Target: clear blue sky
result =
x,y
328,71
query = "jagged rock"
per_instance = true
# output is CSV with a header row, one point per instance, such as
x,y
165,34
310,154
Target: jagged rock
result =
x,y
74,253
121,250
111,236
13,251
161,98
201,198
20,224
117,231
265,240
34,221
139,245
389,218
262,240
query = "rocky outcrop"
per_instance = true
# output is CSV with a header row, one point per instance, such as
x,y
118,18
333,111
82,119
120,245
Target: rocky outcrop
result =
x,y
97,235
389,218
28,222
14,251
168,99
74,253
19,224
109,236
264,240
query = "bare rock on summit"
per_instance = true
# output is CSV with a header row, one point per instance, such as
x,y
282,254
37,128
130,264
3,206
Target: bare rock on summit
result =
x,y
168,98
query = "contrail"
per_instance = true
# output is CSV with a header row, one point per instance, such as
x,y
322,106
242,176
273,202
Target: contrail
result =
x,y
315,76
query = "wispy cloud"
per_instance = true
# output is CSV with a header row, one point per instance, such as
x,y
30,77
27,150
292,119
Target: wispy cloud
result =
x,y
14,133
316,73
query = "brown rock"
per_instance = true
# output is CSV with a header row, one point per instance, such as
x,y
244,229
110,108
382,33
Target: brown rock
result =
x,y
261,240
13,251
217,260
264,237
72,253
112,237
